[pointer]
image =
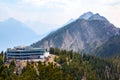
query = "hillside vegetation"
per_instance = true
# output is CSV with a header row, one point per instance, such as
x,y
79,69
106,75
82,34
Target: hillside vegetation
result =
x,y
72,66
86,66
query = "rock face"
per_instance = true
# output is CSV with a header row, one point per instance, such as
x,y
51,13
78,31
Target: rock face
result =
x,y
110,48
86,33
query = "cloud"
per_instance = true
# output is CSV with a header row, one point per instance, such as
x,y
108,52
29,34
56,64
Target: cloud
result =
x,y
57,11
39,3
114,4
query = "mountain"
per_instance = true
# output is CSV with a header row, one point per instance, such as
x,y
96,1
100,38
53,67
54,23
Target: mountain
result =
x,y
97,17
86,16
84,34
110,48
69,21
14,32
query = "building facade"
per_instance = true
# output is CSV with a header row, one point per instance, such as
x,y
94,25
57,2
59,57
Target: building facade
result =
x,y
26,54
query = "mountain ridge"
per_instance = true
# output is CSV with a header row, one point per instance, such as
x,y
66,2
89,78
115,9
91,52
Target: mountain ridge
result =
x,y
81,35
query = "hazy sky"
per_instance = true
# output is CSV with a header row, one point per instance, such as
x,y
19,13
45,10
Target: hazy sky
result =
x,y
57,12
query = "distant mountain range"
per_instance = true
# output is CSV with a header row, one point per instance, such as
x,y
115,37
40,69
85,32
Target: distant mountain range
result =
x,y
84,34
14,33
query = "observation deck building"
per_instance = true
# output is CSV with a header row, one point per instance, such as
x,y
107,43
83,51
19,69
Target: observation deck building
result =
x,y
26,54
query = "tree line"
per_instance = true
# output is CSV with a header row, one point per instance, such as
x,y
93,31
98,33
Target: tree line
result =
x,y
73,66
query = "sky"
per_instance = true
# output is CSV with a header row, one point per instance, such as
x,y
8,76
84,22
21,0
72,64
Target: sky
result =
x,y
55,13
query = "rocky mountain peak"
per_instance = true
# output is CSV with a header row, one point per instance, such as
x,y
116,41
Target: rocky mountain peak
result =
x,y
82,35
98,17
86,15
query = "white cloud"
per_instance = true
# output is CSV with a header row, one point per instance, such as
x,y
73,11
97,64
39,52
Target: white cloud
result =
x,y
32,2
59,11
